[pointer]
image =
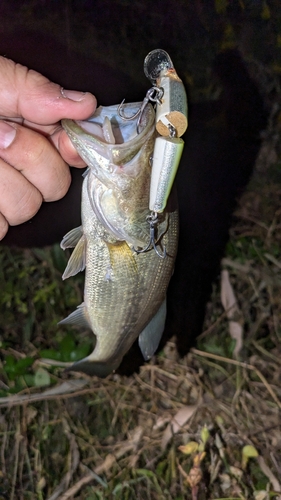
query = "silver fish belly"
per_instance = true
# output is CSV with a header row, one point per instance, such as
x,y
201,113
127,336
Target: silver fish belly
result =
x,y
125,291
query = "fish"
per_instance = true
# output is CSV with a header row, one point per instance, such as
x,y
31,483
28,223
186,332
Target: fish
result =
x,y
125,288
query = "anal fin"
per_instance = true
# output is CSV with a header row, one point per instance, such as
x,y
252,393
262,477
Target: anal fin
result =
x,y
77,318
150,337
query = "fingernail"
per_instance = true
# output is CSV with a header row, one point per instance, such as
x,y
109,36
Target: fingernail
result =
x,y
73,95
7,135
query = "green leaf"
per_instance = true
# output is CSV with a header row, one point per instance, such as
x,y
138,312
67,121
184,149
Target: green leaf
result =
x,y
67,345
205,434
29,379
248,451
189,448
80,352
15,368
51,354
41,378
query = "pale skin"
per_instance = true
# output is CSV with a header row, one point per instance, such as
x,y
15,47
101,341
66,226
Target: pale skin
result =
x,y
34,149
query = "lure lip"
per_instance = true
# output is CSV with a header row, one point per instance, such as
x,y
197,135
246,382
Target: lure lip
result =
x,y
155,62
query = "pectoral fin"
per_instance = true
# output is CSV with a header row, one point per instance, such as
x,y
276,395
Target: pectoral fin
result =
x,y
71,239
77,318
150,337
77,259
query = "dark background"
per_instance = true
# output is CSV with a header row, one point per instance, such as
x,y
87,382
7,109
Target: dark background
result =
x,y
120,33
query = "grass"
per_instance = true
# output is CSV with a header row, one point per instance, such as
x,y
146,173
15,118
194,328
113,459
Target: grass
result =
x,y
65,436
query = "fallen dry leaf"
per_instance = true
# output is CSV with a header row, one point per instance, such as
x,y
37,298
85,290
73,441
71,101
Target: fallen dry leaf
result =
x,y
176,423
232,310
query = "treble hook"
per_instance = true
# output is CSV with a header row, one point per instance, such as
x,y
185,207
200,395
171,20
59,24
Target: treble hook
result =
x,y
154,94
152,220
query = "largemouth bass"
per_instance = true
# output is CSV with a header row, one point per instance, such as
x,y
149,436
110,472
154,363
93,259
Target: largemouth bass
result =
x,y
125,291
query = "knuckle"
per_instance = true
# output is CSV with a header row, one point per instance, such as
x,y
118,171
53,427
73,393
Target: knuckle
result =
x,y
62,186
26,207
59,181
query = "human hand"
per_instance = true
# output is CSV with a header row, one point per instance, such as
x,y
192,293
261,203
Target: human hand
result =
x,y
34,149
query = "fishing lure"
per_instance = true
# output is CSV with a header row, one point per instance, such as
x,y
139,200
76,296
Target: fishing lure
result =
x,y
168,94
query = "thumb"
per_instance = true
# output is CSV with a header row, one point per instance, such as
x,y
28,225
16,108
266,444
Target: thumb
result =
x,y
32,96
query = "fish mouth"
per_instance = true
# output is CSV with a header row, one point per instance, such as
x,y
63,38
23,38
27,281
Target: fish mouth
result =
x,y
107,138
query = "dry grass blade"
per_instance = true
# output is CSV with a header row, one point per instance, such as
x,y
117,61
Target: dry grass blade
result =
x,y
243,365
18,438
109,461
73,461
60,390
